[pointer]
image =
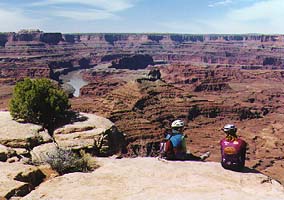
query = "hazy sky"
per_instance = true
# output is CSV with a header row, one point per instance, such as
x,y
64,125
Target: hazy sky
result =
x,y
159,16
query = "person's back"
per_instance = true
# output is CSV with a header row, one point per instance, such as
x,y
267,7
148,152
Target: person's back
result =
x,y
233,150
233,154
174,146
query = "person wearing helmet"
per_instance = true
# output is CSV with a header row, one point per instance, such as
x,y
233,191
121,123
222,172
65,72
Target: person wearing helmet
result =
x,y
175,146
233,149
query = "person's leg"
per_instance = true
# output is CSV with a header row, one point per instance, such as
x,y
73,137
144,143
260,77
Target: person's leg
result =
x,y
190,156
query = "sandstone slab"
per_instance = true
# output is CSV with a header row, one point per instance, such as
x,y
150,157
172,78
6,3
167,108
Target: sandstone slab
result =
x,y
17,179
40,153
20,135
5,152
89,132
150,178
21,151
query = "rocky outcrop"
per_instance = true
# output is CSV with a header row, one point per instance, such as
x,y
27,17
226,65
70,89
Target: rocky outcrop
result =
x,y
187,38
17,179
40,154
112,38
6,152
155,38
88,132
28,143
51,38
212,85
154,74
3,39
186,180
32,70
134,62
95,133
23,135
110,57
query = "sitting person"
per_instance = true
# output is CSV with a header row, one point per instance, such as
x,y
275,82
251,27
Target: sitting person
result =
x,y
233,149
174,147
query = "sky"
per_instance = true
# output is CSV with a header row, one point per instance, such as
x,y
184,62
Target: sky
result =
x,y
144,16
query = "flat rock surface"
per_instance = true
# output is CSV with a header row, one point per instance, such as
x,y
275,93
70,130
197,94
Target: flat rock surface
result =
x,y
17,179
5,152
40,154
15,134
82,133
85,122
150,178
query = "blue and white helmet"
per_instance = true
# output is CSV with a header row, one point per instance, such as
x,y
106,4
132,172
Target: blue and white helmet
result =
x,y
177,124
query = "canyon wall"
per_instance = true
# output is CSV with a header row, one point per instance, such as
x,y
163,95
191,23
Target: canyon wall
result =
x,y
66,50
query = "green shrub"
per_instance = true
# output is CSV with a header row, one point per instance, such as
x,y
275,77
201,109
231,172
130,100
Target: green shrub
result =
x,y
194,112
65,161
39,101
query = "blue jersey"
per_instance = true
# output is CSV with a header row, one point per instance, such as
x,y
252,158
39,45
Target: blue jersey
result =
x,y
175,139
178,147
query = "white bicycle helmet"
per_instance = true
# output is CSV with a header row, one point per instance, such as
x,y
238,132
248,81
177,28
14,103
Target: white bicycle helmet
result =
x,y
229,127
177,124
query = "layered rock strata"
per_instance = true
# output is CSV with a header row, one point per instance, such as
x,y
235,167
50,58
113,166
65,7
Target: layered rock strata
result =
x,y
34,49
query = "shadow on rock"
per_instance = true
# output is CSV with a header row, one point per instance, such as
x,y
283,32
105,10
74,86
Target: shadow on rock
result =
x,y
70,118
249,170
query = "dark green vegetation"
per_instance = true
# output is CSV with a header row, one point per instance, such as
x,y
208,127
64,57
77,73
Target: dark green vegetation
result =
x,y
39,101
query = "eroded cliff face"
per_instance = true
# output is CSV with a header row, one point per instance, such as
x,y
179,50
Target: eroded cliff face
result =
x,y
34,47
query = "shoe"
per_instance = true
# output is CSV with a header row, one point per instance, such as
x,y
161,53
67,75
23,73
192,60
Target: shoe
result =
x,y
205,155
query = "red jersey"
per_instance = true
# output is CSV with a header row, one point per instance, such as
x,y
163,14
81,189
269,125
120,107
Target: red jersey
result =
x,y
233,153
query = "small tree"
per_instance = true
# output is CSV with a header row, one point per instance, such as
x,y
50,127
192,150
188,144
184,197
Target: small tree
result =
x,y
39,101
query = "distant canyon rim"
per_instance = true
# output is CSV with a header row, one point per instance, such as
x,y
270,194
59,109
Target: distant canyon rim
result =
x,y
148,80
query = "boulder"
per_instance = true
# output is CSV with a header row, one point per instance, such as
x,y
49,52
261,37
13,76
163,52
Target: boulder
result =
x,y
13,159
17,179
21,151
90,132
40,153
150,178
6,152
20,135
68,89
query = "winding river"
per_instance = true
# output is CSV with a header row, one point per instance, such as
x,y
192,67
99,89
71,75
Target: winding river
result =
x,y
74,79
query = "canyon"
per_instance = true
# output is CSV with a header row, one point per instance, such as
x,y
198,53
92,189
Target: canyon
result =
x,y
142,82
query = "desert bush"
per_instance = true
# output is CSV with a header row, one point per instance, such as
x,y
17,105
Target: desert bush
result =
x,y
247,113
65,161
193,112
39,101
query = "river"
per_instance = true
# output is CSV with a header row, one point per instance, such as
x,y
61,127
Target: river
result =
x,y
74,79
